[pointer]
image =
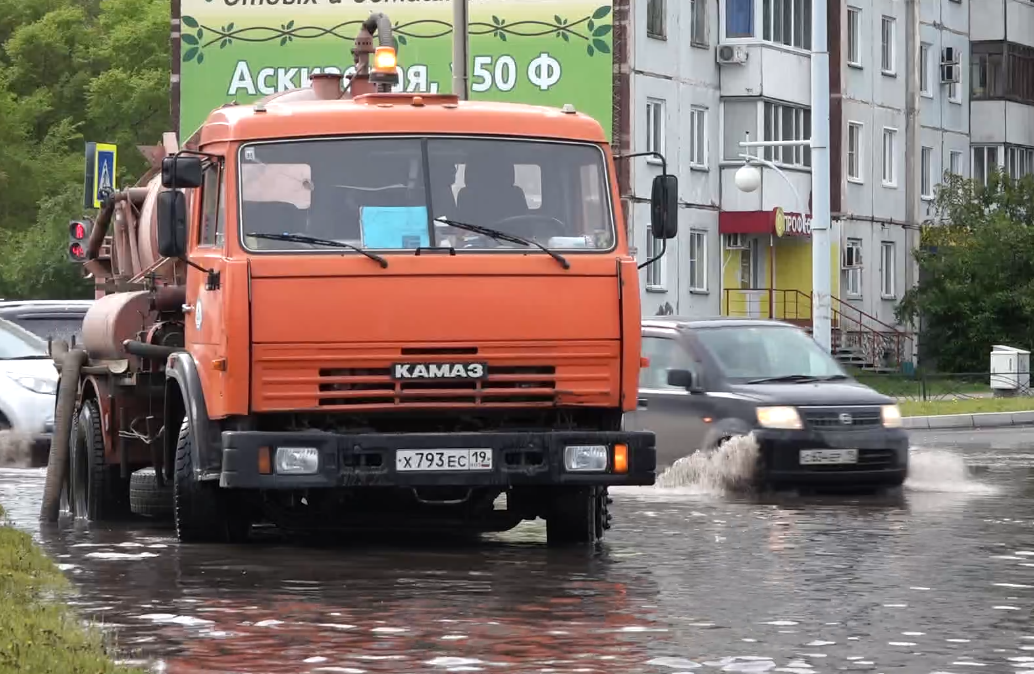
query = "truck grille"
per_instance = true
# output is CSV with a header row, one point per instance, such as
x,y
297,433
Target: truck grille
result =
x,y
374,386
829,418
359,376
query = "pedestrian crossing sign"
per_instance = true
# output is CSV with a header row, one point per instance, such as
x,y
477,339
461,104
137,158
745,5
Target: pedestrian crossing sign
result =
x,y
101,162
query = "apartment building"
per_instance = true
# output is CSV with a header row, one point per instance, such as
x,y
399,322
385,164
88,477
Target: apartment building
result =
x,y
705,75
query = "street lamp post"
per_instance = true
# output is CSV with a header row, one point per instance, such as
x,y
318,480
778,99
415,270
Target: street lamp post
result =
x,y
748,180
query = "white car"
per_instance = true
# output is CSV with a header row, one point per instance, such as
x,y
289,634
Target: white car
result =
x,y
28,385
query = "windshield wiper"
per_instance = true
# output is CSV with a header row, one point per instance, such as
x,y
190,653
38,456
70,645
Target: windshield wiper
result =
x,y
305,238
795,378
33,357
503,236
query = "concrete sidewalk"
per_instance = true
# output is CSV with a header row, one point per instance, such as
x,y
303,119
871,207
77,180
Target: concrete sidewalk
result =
x,y
980,420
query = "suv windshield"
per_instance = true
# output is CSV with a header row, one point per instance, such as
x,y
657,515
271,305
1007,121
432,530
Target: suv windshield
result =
x,y
16,342
758,352
386,193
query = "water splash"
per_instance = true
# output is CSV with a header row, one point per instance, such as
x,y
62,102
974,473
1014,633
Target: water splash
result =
x,y
938,470
15,450
731,468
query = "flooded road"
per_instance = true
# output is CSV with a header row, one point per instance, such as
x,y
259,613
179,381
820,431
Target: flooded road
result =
x,y
939,578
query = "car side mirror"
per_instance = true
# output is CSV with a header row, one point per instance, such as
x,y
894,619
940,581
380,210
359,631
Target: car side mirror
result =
x,y
172,223
684,379
182,172
664,207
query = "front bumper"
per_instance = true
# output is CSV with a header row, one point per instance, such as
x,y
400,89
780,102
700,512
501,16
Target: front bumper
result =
x,y
368,460
882,456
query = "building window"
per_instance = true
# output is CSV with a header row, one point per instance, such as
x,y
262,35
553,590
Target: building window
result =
x,y
888,52
854,152
786,122
924,70
853,267
887,269
890,138
739,18
787,22
955,163
1002,70
985,160
698,30
698,137
697,260
655,19
854,35
926,173
654,128
655,271
1019,161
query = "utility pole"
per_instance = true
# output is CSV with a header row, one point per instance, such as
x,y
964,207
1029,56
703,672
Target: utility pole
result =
x,y
460,47
913,142
821,314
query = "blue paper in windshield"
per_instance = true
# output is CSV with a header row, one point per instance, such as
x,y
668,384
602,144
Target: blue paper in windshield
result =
x,y
394,226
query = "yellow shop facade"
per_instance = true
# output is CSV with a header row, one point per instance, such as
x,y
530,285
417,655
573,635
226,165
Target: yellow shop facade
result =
x,y
767,264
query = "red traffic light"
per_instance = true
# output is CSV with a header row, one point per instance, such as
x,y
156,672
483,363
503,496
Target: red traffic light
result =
x,y
76,251
77,230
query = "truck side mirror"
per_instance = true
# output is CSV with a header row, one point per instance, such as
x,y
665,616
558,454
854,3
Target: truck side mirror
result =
x,y
172,223
664,207
684,379
182,172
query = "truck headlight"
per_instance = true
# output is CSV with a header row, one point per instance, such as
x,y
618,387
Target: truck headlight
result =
x,y
891,415
297,460
585,458
37,385
785,418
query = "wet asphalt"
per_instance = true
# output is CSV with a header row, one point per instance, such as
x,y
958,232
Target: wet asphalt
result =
x,y
938,578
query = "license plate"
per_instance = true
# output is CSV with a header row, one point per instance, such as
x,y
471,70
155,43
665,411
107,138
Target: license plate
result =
x,y
410,460
813,457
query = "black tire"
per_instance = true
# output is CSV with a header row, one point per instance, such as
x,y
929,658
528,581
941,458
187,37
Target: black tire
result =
x,y
204,513
147,498
97,491
577,516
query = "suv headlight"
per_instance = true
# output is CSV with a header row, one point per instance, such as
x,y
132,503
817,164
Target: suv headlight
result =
x,y
37,385
891,415
785,418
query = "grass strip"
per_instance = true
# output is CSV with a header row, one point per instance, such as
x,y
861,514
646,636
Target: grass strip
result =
x,y
918,408
38,633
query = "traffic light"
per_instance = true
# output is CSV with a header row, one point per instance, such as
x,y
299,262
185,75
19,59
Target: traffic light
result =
x,y
78,234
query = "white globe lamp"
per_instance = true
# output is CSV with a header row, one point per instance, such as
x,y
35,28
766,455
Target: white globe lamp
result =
x,y
748,178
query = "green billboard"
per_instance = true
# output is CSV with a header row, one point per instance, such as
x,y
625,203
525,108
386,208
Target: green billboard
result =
x,y
544,52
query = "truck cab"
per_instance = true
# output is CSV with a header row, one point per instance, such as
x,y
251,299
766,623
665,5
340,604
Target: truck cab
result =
x,y
399,308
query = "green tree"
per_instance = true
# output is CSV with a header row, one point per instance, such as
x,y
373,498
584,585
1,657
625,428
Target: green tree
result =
x,y
976,273
70,71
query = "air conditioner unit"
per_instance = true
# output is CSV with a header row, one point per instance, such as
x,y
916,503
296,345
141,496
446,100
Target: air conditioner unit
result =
x,y
735,242
949,73
949,55
852,257
728,54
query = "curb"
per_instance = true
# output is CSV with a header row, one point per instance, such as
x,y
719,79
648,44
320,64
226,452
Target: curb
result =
x,y
979,420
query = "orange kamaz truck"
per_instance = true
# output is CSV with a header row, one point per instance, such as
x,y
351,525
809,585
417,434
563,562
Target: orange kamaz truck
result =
x,y
344,307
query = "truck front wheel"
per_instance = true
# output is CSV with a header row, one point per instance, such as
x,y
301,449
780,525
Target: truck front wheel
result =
x,y
204,514
577,515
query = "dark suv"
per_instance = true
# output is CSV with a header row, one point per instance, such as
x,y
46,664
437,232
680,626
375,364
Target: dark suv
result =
x,y
712,379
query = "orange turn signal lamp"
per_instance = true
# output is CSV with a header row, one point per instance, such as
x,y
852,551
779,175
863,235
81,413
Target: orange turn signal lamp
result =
x,y
265,461
620,458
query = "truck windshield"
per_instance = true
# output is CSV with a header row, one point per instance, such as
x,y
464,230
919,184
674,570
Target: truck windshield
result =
x,y
760,354
387,193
